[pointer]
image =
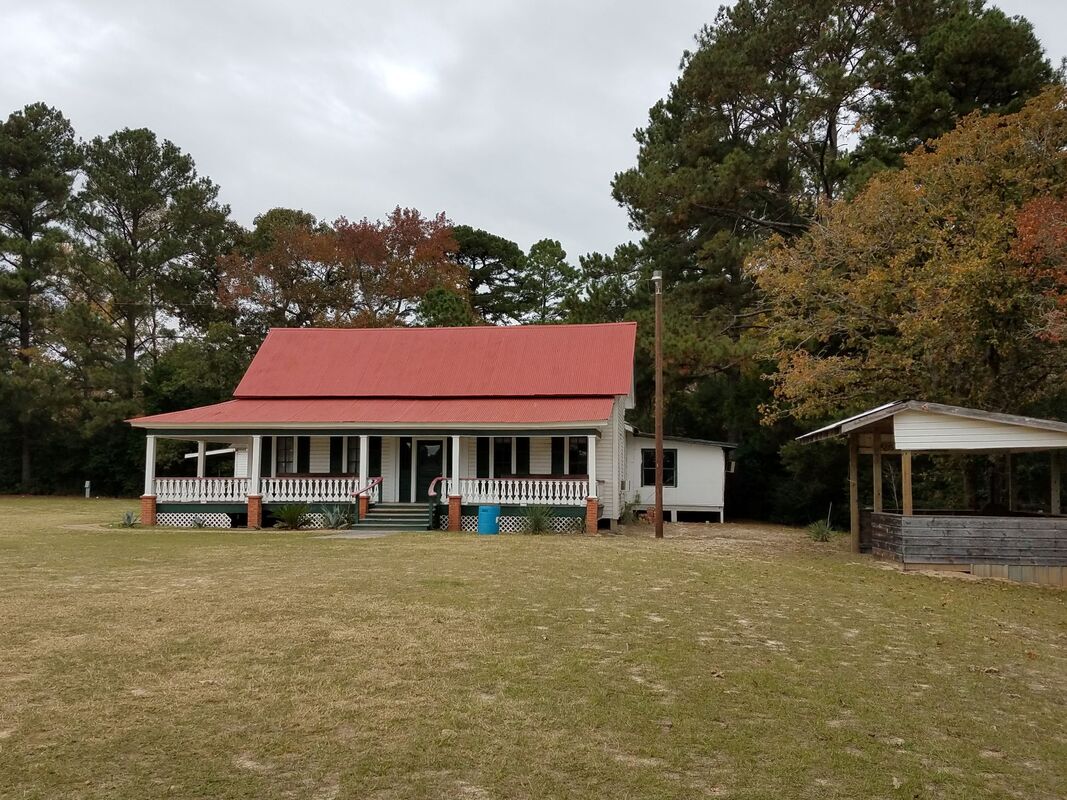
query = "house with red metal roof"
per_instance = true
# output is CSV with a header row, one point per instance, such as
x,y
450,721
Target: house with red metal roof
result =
x,y
414,427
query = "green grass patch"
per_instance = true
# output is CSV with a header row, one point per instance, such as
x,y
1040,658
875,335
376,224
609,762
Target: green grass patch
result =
x,y
725,661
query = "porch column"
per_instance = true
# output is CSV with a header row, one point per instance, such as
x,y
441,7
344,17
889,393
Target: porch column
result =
x,y
201,459
148,499
255,497
905,481
1054,470
455,497
592,504
854,490
364,474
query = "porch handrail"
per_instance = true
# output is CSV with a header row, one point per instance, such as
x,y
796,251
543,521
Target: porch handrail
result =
x,y
372,488
433,485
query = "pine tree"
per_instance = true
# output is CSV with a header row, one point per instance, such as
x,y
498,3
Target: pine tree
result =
x,y
38,160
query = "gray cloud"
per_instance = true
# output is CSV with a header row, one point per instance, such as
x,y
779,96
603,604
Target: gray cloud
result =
x,y
511,116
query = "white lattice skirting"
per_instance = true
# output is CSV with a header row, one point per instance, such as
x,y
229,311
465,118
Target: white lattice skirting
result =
x,y
171,519
468,523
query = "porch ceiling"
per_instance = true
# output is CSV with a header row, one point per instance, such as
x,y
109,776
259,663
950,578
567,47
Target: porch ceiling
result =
x,y
244,413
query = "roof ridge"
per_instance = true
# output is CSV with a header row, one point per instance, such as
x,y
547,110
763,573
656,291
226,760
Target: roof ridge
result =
x,y
543,326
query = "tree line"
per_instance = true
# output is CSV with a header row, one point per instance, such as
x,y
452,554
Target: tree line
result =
x,y
850,202
127,288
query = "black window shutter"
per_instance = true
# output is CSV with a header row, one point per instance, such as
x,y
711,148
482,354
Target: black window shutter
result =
x,y
483,457
522,455
502,456
303,454
374,459
336,453
404,494
558,443
266,457
579,456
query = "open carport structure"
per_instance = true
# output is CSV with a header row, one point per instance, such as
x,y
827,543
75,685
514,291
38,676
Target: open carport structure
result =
x,y
1001,541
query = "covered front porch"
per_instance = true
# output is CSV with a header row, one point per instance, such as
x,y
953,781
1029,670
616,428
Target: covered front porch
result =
x,y
378,475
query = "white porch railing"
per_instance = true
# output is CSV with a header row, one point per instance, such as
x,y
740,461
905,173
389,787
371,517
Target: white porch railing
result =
x,y
314,490
201,490
274,490
518,491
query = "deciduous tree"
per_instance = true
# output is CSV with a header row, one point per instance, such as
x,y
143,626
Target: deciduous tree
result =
x,y
916,288
298,272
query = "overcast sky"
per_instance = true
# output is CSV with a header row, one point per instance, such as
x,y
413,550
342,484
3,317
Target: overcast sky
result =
x,y
506,115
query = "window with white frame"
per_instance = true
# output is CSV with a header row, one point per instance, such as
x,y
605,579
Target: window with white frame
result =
x,y
352,460
285,457
570,455
503,456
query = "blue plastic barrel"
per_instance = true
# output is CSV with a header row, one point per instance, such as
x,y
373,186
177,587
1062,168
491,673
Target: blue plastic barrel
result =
x,y
488,519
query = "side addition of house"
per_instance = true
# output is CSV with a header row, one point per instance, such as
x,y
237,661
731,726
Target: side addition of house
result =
x,y
694,474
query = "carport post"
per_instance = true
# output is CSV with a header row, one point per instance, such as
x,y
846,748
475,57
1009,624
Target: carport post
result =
x,y
876,450
854,490
905,482
1054,470
1013,489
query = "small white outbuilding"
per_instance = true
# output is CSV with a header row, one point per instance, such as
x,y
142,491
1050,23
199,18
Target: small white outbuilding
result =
x,y
694,473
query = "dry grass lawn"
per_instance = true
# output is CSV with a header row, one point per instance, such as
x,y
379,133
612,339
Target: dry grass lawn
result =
x,y
739,661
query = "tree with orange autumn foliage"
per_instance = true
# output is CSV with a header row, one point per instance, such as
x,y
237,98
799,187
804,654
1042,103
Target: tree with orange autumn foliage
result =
x,y
934,282
296,271
1041,247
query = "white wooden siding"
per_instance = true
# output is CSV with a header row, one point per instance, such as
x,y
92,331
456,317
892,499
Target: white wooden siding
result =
x,y
701,475
390,470
469,457
927,430
607,478
618,443
240,463
540,455
319,460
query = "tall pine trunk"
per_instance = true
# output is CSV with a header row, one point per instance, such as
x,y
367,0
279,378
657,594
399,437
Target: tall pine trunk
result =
x,y
25,341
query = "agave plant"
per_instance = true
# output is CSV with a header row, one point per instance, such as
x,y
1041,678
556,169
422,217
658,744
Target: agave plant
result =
x,y
292,517
199,522
336,517
129,519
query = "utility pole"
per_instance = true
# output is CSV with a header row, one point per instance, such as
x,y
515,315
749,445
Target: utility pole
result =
x,y
657,283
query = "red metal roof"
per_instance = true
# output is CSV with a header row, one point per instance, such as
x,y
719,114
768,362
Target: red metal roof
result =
x,y
371,411
524,361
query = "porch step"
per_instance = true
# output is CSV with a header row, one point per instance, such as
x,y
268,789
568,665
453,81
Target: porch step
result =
x,y
396,517
386,525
